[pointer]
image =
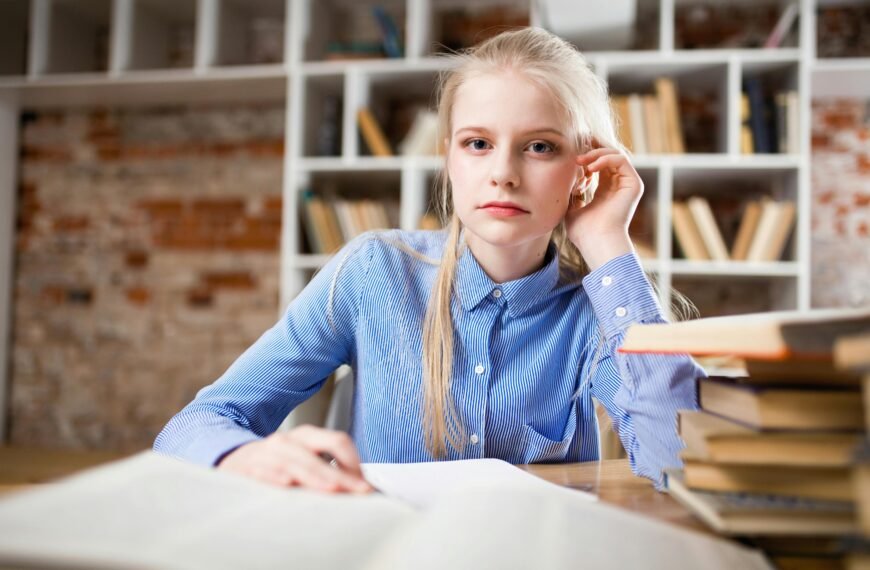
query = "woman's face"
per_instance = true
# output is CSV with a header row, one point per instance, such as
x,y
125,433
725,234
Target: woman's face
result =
x,y
510,160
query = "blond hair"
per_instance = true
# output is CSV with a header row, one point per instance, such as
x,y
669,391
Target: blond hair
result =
x,y
557,66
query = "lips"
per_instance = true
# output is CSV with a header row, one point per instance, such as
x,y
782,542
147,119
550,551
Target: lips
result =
x,y
504,208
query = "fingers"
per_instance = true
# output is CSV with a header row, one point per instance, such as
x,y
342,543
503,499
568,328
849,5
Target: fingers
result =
x,y
311,471
615,160
293,459
336,443
593,154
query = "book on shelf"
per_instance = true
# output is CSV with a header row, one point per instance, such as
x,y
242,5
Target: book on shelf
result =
x,y
783,25
775,222
666,90
741,514
392,42
746,230
777,335
636,124
769,121
758,116
372,133
707,227
650,123
782,408
429,221
653,126
621,113
331,223
714,438
422,136
687,233
747,144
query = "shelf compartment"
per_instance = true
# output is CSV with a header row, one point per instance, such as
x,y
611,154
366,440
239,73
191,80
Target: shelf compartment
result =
x,y
769,122
163,34
454,24
249,32
323,101
737,295
624,26
731,195
642,228
710,24
335,207
74,36
350,30
397,101
14,26
841,30
701,93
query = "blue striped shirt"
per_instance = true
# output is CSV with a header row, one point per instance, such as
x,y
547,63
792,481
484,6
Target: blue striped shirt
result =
x,y
529,356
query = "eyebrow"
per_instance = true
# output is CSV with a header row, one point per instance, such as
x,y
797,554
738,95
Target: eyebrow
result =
x,y
528,132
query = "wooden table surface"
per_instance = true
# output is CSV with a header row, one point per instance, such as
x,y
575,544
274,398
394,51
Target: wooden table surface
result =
x,y
614,483
611,480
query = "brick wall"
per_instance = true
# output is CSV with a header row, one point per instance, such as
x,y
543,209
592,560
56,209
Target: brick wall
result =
x,y
841,203
147,261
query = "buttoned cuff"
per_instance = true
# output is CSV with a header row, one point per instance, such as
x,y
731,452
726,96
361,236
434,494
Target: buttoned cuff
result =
x,y
211,448
621,295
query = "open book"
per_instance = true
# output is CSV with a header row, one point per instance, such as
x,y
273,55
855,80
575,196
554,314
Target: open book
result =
x,y
152,511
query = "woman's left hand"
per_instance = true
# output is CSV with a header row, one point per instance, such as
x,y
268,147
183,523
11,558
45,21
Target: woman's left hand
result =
x,y
599,229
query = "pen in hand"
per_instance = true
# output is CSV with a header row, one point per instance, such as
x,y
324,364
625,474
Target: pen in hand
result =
x,y
333,462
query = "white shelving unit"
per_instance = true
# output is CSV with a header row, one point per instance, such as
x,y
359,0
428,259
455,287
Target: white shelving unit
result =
x,y
67,53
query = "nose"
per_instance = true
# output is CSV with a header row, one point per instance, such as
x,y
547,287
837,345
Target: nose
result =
x,y
504,169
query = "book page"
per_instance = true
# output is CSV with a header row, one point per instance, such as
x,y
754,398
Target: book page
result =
x,y
494,526
152,511
423,484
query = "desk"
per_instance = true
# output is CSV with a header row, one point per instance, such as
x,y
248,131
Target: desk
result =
x,y
615,484
611,480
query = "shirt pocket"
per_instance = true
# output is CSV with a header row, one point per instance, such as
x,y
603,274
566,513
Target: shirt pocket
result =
x,y
539,448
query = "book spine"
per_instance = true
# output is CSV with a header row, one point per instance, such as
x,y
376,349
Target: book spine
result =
x,y
372,133
757,114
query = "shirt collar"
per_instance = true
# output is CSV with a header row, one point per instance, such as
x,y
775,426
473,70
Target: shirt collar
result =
x,y
473,285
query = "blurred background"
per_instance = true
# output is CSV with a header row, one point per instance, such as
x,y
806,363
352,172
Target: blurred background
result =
x,y
172,172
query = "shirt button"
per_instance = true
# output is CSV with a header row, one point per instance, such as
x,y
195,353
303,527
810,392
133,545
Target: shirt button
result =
x,y
496,293
606,280
621,312
479,368
474,439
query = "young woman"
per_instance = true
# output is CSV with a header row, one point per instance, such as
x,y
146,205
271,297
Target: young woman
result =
x,y
486,339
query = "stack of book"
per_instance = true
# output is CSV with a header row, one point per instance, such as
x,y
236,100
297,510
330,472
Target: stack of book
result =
x,y
651,124
329,224
853,353
771,450
769,122
764,230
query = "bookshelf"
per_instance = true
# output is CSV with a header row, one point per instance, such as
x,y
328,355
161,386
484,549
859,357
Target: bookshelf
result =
x,y
312,56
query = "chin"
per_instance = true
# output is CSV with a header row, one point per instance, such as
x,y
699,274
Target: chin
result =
x,y
503,236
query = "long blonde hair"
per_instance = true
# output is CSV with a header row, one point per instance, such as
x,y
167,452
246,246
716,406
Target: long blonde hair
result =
x,y
556,65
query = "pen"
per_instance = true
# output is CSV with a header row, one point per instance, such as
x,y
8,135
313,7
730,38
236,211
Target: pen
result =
x,y
333,462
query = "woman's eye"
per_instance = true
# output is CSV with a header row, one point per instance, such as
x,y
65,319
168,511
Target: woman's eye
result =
x,y
477,144
541,147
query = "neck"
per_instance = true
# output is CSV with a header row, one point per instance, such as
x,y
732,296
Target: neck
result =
x,y
506,263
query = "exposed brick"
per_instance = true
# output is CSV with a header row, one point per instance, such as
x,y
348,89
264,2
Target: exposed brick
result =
x,y
53,294
200,297
138,295
136,258
148,246
229,280
863,163
162,207
71,223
